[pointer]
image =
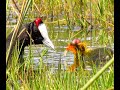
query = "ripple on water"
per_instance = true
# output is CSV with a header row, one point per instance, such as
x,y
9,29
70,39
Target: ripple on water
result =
x,y
52,58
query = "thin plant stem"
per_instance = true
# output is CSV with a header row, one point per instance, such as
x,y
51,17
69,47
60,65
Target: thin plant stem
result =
x,y
97,74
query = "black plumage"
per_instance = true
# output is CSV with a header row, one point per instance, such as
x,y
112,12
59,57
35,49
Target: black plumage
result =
x,y
27,32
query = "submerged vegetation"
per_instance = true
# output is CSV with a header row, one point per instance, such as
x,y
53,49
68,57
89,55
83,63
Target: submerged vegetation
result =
x,y
92,21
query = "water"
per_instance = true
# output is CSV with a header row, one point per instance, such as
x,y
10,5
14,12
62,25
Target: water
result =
x,y
51,57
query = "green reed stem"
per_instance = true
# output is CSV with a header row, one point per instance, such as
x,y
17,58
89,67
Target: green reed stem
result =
x,y
25,7
97,74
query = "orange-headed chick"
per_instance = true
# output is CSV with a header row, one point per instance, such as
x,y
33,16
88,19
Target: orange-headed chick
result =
x,y
79,49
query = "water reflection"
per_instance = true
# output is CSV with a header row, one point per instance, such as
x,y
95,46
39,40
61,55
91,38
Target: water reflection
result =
x,y
51,58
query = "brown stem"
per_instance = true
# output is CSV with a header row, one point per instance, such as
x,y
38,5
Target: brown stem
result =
x,y
15,7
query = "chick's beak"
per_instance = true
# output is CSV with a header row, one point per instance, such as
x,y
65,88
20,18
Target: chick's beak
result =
x,y
43,30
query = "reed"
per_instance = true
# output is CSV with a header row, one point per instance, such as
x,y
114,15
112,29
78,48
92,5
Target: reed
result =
x,y
15,33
